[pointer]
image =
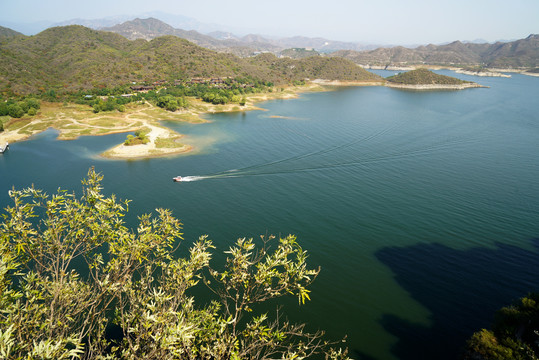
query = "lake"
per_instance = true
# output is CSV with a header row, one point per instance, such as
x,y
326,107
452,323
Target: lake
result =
x,y
421,208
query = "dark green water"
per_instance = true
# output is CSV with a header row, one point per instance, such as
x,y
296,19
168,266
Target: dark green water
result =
x,y
422,208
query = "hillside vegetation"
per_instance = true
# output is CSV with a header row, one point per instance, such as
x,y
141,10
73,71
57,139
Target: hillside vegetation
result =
x,y
424,77
74,58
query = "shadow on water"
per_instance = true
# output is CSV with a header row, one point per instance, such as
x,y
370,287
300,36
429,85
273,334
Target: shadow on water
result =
x,y
462,289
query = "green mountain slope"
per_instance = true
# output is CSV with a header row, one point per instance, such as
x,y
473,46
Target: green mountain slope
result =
x,y
75,57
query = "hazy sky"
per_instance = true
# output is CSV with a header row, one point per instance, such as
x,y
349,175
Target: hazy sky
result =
x,y
389,21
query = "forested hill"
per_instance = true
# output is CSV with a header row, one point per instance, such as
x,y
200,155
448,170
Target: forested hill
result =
x,y
75,57
522,53
424,77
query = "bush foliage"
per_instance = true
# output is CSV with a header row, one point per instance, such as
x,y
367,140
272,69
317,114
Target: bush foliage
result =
x,y
18,108
76,283
513,336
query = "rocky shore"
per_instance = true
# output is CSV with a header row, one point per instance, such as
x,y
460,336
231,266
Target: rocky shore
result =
x,y
482,73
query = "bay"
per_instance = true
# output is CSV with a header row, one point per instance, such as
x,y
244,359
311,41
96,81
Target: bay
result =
x,y
421,208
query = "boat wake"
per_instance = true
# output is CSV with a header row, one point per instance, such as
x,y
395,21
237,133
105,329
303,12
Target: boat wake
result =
x,y
298,163
193,178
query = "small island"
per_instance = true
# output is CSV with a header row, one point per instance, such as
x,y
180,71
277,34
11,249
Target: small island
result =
x,y
423,79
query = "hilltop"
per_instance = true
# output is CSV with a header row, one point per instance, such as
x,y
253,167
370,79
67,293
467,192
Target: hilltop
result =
x,y
299,53
519,54
6,33
72,58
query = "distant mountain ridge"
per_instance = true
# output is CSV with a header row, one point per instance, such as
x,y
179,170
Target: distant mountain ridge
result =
x,y
523,53
151,28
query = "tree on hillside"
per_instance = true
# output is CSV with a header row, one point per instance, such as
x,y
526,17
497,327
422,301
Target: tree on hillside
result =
x,y
15,111
76,283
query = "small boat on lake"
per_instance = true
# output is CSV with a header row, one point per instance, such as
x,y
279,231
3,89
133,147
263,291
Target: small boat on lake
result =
x,y
3,149
177,179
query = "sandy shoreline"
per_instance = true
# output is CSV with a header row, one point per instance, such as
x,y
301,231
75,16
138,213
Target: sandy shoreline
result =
x,y
150,149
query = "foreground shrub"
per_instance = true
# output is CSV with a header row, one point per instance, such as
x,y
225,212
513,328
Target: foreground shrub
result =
x,y
75,282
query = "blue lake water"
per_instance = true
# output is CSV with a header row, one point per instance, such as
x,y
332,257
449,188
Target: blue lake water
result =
x,y
421,208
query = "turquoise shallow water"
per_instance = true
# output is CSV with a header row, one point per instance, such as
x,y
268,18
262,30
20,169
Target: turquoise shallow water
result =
x,y
420,207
